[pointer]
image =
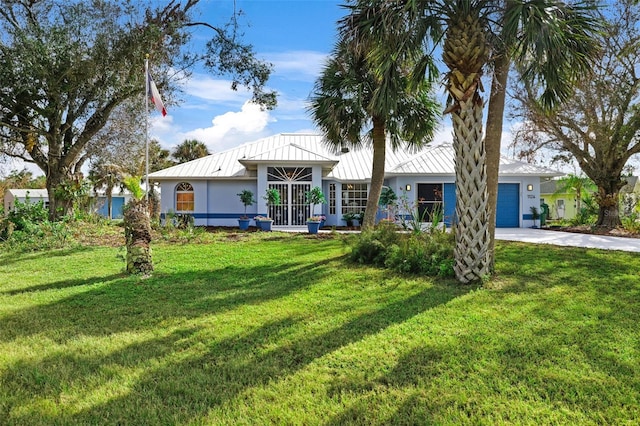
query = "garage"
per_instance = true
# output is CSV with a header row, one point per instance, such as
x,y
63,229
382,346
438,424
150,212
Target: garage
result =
x,y
508,210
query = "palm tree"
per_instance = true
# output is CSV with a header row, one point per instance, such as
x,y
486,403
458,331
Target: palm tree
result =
x,y
190,149
549,39
108,176
578,184
355,106
137,229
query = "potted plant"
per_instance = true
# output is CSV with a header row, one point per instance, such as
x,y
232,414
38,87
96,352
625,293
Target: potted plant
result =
x,y
314,223
349,217
246,197
272,197
313,197
388,199
535,215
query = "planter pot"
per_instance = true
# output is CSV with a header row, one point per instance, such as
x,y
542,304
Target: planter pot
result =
x,y
264,225
313,227
243,224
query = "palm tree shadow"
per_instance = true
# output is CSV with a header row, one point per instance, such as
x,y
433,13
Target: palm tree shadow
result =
x,y
239,363
64,284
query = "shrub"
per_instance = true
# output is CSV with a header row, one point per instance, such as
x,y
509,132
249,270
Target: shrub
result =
x,y
26,214
631,222
429,253
27,228
371,246
425,253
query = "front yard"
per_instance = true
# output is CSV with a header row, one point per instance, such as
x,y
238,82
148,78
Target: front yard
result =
x,y
278,329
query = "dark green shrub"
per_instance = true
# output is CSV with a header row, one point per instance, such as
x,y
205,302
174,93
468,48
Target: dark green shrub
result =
x,y
26,214
428,253
371,247
27,228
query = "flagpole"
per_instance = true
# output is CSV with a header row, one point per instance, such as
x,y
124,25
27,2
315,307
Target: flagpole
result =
x,y
146,127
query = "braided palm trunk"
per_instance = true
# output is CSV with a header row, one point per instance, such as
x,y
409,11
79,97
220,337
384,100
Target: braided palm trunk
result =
x,y
472,229
137,232
465,52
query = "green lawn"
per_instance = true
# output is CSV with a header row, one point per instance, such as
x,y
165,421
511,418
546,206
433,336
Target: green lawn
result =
x,y
278,329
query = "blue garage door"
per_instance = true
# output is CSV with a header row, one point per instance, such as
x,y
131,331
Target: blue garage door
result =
x,y
508,211
508,214
117,204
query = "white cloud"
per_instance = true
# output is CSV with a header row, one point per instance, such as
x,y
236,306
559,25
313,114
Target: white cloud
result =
x,y
303,65
216,90
232,128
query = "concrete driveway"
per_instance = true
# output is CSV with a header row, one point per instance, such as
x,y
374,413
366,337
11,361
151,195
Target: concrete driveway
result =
x,y
558,238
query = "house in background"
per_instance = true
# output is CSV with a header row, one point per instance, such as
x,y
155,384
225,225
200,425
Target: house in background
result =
x,y
98,200
24,195
563,204
207,188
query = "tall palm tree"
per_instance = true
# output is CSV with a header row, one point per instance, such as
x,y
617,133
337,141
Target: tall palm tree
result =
x,y
190,149
548,38
355,106
107,176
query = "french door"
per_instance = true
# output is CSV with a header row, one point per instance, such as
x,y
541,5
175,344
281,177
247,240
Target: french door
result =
x,y
292,183
292,211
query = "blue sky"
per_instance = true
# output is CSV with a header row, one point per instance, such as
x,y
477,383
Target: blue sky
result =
x,y
296,36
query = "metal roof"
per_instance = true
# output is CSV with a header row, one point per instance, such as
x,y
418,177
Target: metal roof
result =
x,y
32,193
354,165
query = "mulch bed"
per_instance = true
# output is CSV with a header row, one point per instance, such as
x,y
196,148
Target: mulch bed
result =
x,y
595,230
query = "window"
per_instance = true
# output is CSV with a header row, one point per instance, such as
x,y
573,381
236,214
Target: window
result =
x,y
289,174
354,197
184,197
429,201
332,198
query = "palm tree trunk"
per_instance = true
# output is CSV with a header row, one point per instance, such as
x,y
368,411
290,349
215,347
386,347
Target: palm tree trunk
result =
x,y
472,228
377,173
493,141
137,231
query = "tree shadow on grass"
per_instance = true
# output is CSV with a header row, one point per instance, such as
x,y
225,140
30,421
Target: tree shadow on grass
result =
x,y
234,365
12,257
64,284
185,374
129,304
561,351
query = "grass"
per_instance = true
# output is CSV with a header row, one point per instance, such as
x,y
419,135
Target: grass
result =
x,y
278,329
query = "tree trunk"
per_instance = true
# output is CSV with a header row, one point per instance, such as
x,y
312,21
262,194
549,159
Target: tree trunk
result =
x,y
472,230
493,143
137,232
60,201
377,173
608,213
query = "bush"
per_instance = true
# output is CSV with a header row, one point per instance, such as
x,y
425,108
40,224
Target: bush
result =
x,y
631,223
27,228
371,246
26,214
425,253
429,253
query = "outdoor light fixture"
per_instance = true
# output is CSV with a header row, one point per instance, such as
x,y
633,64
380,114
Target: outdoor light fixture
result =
x,y
529,187
408,187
